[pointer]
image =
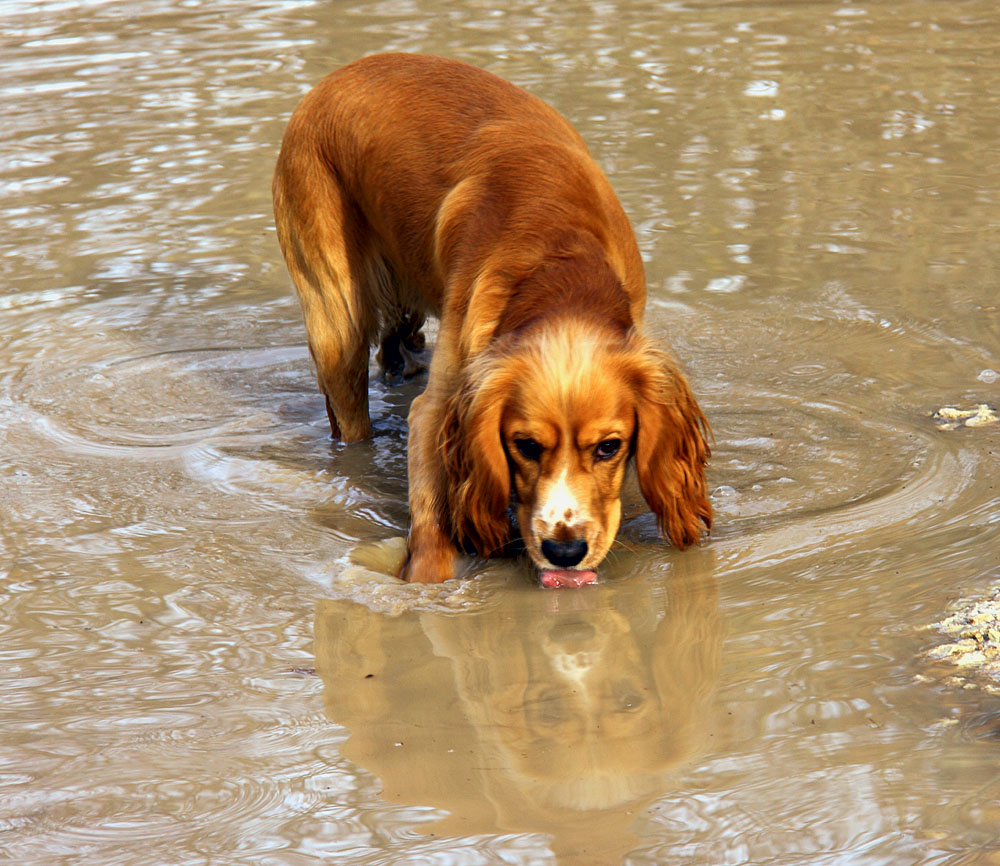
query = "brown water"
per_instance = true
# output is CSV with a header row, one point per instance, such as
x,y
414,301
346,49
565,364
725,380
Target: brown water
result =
x,y
200,661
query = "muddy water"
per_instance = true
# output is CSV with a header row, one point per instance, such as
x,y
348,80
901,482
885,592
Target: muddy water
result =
x,y
203,660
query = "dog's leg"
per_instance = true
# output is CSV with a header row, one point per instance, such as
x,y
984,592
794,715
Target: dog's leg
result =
x,y
315,225
402,346
430,553
342,373
339,350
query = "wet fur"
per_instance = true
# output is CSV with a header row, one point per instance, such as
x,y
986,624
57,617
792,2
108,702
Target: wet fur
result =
x,y
410,186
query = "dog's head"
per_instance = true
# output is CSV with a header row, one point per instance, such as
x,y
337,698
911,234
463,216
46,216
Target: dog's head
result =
x,y
557,415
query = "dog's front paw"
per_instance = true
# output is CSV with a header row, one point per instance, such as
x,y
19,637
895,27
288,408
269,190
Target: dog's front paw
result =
x,y
428,564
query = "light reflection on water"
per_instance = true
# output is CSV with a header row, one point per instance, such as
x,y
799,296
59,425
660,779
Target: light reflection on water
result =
x,y
194,585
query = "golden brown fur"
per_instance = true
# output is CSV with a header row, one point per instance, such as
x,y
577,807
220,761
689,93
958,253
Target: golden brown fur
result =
x,y
410,186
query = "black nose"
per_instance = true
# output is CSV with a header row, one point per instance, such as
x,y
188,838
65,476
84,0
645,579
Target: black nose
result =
x,y
564,553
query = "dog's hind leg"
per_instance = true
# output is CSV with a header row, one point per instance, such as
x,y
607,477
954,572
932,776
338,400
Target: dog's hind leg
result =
x,y
342,372
313,223
339,349
401,350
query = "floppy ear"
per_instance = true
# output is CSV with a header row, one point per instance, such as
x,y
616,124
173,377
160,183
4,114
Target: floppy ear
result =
x,y
476,465
671,448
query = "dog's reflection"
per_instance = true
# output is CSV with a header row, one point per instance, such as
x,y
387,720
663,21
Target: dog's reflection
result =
x,y
554,712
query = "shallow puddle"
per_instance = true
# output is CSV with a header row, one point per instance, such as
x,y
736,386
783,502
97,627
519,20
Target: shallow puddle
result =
x,y
204,657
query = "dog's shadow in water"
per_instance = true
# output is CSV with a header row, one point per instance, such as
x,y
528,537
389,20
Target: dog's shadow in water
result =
x,y
557,712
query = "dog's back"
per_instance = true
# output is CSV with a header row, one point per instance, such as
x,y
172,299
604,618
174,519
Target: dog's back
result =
x,y
401,132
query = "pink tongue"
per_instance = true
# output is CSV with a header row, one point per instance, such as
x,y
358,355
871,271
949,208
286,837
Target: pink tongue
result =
x,y
557,577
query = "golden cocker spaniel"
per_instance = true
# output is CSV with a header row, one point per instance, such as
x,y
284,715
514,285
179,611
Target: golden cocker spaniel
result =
x,y
409,186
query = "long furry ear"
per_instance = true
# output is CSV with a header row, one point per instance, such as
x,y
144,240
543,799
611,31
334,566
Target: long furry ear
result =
x,y
476,464
671,448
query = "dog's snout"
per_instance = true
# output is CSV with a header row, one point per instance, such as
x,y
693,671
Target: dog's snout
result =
x,y
564,554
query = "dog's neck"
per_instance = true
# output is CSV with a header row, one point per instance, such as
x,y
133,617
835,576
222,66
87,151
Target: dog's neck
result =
x,y
575,282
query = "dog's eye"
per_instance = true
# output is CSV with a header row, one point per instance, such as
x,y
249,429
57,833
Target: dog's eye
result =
x,y
607,449
528,448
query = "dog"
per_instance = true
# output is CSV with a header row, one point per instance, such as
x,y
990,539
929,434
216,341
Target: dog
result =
x,y
411,185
